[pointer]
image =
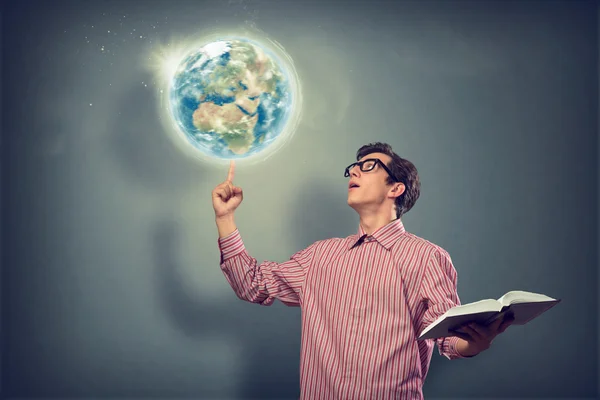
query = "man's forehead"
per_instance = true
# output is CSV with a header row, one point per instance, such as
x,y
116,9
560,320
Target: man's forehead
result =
x,y
383,157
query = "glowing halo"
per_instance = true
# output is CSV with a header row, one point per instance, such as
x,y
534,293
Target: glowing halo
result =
x,y
165,63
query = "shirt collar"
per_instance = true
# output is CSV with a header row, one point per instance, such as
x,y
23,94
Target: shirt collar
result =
x,y
387,235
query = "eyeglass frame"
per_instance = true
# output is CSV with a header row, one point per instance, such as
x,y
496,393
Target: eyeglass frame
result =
x,y
377,161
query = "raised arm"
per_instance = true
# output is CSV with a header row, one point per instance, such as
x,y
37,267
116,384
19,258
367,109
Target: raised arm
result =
x,y
254,282
264,282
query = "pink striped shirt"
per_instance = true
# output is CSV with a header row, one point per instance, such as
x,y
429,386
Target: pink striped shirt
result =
x,y
364,302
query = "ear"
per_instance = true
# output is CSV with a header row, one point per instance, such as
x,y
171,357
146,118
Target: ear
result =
x,y
397,189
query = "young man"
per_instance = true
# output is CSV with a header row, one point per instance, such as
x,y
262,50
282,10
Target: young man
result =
x,y
364,298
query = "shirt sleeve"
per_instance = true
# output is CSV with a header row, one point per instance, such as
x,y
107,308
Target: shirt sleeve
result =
x,y
264,282
439,292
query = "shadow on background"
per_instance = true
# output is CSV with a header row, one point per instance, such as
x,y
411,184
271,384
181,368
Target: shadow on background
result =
x,y
322,212
142,148
269,336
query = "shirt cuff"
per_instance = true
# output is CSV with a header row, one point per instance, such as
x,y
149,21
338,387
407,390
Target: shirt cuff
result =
x,y
449,348
231,245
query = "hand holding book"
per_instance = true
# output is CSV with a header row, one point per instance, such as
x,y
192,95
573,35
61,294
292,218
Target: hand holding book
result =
x,y
518,306
479,337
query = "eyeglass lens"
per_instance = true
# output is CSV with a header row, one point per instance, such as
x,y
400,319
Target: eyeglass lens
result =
x,y
364,166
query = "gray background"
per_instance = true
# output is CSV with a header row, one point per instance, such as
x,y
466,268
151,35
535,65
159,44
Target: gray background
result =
x,y
110,277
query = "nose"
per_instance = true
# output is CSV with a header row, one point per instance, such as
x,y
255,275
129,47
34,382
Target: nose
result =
x,y
355,171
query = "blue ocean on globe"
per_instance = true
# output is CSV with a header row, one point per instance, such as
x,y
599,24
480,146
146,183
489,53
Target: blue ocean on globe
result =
x,y
231,98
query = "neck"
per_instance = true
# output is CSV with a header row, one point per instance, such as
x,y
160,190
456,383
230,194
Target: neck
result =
x,y
371,222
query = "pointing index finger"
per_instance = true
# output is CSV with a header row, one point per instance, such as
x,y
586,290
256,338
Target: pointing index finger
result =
x,y
231,172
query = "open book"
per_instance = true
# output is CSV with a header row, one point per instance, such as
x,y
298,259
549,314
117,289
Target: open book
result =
x,y
524,306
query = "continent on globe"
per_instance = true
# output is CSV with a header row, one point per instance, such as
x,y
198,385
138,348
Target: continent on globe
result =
x,y
231,97
235,127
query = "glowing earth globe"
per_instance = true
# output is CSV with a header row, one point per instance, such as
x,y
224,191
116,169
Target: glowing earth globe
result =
x,y
231,98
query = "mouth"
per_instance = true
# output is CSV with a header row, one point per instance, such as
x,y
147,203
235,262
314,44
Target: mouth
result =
x,y
353,186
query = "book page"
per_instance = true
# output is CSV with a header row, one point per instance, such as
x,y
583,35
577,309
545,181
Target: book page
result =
x,y
520,296
480,306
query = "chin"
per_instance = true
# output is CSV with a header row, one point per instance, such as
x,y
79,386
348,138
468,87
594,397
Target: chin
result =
x,y
352,203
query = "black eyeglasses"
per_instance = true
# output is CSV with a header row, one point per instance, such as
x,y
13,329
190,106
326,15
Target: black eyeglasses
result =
x,y
367,165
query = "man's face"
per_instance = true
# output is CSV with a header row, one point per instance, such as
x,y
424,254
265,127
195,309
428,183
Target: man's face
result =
x,y
372,189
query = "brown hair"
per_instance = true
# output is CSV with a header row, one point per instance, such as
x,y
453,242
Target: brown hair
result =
x,y
402,169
